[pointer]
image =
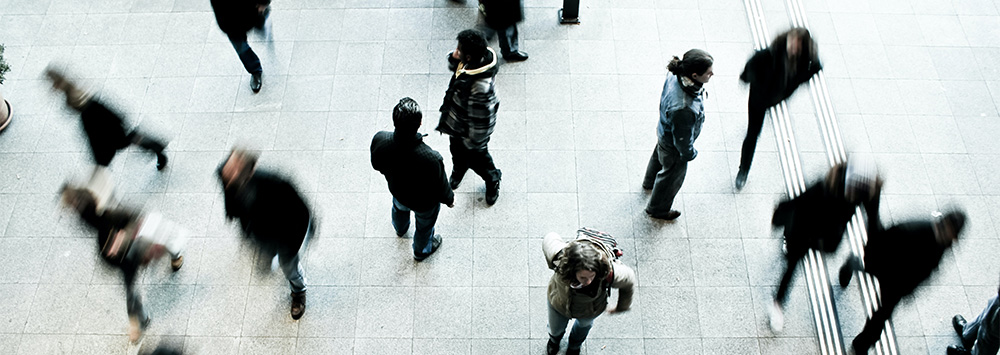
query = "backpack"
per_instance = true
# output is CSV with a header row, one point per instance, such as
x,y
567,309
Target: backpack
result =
x,y
607,243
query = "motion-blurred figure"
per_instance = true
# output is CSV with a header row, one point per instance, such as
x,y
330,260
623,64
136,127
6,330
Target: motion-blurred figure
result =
x,y
236,18
469,111
773,74
128,239
272,213
901,257
682,113
817,219
416,177
502,17
586,270
982,335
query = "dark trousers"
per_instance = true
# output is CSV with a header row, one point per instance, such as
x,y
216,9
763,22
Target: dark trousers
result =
x,y
665,175
792,259
479,160
507,37
757,108
890,296
250,60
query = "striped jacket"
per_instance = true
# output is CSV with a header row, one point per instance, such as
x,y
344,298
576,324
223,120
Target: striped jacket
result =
x,y
470,105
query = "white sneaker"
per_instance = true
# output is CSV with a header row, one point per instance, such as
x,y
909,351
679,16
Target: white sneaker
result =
x,y
777,318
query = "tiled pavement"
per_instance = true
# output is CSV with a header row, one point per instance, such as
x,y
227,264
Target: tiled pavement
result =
x,y
914,84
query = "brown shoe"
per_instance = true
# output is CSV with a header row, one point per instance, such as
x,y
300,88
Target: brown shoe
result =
x,y
177,263
298,304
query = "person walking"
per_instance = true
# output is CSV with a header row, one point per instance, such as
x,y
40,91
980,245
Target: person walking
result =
x,y
817,219
416,177
469,110
128,240
901,258
585,272
681,116
236,18
502,17
982,335
773,74
272,214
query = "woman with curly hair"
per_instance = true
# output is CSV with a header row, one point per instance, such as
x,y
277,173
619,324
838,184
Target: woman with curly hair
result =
x,y
585,272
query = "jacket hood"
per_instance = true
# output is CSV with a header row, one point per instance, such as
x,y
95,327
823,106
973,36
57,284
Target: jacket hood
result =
x,y
487,70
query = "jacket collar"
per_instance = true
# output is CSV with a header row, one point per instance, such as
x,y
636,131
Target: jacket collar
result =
x,y
461,66
690,86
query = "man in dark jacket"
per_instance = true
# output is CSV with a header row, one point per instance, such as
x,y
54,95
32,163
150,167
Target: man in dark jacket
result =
x,y
982,335
773,74
236,18
272,213
416,177
502,17
817,219
901,257
469,111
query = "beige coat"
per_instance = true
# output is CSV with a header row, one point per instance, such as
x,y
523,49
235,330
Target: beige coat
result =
x,y
571,304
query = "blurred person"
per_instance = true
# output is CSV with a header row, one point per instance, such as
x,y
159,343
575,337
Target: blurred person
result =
x,y
271,213
128,240
469,111
502,17
901,258
979,337
681,116
773,74
236,18
817,219
416,177
585,272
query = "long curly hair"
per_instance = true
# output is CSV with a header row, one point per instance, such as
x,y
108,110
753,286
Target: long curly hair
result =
x,y
578,256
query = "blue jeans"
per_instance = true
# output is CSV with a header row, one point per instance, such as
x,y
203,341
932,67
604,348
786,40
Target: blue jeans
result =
x,y
425,225
290,262
557,327
986,343
250,60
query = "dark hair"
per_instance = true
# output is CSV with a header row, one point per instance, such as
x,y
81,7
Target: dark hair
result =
x,y
406,115
695,61
808,48
472,43
580,256
956,220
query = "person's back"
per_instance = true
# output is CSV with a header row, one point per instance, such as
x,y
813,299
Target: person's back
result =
x,y
905,254
276,212
415,172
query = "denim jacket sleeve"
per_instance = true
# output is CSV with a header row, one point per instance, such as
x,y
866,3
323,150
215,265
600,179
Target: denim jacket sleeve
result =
x,y
683,122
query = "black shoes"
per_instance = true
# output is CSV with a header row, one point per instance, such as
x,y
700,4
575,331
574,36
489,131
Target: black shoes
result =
x,y
847,270
958,322
516,56
741,179
161,161
298,304
572,351
435,245
255,82
455,179
958,350
492,192
670,216
551,348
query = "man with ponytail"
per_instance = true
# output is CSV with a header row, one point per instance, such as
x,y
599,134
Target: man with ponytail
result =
x,y
681,116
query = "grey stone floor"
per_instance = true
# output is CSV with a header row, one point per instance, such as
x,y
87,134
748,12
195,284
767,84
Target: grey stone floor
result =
x,y
914,84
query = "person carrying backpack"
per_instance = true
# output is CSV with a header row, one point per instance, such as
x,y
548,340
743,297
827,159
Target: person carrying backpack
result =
x,y
585,271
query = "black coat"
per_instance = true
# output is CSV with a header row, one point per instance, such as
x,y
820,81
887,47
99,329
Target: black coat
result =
x,y
770,82
270,211
414,171
503,13
902,256
815,219
105,131
237,17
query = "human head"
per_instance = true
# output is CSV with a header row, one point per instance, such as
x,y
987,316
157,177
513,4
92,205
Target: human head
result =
x,y
948,226
238,168
797,41
582,264
696,65
471,46
406,116
77,198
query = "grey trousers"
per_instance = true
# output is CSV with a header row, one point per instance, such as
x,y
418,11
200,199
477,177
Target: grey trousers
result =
x,y
665,175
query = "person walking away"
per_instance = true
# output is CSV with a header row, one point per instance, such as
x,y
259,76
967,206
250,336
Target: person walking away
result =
x,y
681,116
236,18
272,214
416,177
585,273
502,17
773,74
468,113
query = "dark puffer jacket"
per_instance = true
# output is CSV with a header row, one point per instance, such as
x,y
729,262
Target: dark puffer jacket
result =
x,y
236,17
469,110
